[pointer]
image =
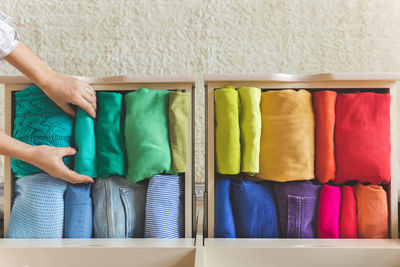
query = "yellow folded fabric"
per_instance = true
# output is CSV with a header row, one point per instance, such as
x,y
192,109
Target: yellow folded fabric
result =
x,y
227,133
250,128
287,136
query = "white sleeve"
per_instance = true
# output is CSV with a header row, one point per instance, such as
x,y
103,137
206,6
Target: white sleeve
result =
x,y
8,36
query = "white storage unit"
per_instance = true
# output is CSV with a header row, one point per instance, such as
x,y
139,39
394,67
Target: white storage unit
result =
x,y
103,252
300,252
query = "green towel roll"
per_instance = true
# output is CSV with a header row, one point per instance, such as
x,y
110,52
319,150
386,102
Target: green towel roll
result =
x,y
146,133
250,128
109,135
85,142
227,132
179,119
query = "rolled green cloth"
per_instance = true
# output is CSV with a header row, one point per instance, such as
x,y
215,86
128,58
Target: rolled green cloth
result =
x,y
227,132
109,135
85,142
179,118
146,134
250,128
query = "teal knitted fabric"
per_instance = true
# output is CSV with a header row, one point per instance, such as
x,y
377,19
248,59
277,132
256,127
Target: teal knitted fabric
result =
x,y
39,121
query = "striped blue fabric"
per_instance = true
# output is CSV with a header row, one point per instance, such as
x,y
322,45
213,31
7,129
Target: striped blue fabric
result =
x,y
38,209
164,207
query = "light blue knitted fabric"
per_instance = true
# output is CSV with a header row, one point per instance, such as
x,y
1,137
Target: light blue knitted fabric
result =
x,y
39,121
38,209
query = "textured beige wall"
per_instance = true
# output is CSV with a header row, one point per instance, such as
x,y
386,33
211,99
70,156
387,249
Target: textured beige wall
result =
x,y
100,37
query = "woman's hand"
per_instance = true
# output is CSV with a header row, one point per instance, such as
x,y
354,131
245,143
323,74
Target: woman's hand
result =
x,y
65,90
49,159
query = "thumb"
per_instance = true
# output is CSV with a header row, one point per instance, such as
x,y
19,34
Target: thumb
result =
x,y
67,151
68,109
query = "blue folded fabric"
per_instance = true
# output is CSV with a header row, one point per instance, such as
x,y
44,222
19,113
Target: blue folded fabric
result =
x,y
164,207
254,209
38,209
224,224
118,208
78,211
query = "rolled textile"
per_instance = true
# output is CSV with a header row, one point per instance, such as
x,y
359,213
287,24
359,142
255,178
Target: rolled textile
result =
x,y
164,207
250,128
78,211
224,225
146,134
329,212
362,138
254,209
85,142
179,119
372,211
227,132
287,136
39,121
38,208
110,143
118,208
348,213
298,208
324,109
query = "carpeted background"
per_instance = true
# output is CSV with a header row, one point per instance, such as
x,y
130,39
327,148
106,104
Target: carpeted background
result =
x,y
124,37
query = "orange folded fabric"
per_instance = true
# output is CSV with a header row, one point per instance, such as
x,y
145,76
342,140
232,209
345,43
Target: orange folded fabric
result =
x,y
372,211
324,111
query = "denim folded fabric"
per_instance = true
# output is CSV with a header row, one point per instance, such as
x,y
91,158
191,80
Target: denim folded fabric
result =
x,y
298,208
224,224
254,209
164,207
118,208
39,121
38,209
78,211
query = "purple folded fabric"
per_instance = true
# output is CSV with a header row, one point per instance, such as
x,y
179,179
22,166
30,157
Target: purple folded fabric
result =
x,y
329,212
298,208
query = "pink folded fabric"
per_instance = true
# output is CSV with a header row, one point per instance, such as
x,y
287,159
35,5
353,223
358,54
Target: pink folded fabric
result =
x,y
329,212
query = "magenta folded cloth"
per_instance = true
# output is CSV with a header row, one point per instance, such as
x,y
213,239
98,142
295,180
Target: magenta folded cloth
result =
x,y
329,212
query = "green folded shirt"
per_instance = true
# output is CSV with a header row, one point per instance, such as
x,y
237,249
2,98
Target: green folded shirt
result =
x,y
227,132
85,142
179,118
146,134
109,135
250,128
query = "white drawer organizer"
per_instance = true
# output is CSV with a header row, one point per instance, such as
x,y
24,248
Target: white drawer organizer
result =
x,y
103,252
303,252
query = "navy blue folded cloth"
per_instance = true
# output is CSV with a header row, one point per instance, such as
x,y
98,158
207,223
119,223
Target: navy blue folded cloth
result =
x,y
254,209
224,224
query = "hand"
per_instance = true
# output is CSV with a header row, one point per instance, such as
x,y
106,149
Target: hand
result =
x,y
49,159
65,90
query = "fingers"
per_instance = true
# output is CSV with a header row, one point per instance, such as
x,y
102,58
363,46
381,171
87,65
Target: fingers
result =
x,y
91,99
86,106
67,151
73,177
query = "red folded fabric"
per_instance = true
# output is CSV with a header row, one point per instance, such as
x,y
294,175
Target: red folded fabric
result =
x,y
329,212
324,111
362,138
372,211
348,213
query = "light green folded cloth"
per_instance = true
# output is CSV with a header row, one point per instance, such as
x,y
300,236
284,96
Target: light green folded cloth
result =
x,y
250,128
227,132
109,135
85,142
179,118
146,134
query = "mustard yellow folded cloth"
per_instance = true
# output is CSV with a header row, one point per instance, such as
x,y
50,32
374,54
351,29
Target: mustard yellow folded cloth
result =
x,y
227,133
287,136
250,128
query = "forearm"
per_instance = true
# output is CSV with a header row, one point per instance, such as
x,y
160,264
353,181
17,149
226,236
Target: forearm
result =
x,y
29,64
16,149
